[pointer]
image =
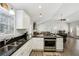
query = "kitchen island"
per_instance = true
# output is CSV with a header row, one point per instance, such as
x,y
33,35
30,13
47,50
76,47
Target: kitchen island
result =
x,y
49,43
38,36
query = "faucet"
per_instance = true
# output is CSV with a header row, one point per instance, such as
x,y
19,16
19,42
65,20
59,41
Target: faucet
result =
x,y
5,46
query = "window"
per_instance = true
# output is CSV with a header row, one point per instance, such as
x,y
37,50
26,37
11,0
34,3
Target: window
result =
x,y
6,24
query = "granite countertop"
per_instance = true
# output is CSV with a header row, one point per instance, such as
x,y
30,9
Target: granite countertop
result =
x,y
11,48
57,36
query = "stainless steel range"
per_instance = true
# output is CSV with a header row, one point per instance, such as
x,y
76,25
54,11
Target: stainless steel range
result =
x,y
49,44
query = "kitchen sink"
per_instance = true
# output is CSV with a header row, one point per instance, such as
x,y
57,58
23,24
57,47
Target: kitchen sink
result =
x,y
2,51
8,49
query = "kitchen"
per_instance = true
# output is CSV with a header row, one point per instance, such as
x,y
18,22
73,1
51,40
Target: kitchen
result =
x,y
39,29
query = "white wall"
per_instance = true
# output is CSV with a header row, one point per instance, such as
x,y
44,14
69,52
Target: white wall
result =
x,y
74,28
53,26
77,29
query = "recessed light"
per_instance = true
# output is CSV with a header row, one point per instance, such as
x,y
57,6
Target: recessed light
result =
x,y
67,19
40,6
40,16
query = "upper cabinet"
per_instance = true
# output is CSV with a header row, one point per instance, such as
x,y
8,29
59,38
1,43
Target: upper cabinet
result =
x,y
22,20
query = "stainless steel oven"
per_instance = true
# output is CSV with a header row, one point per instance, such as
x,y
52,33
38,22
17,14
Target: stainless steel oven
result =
x,y
49,44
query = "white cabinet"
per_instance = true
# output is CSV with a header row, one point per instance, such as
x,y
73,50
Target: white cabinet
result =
x,y
22,20
25,50
34,43
38,43
28,48
59,44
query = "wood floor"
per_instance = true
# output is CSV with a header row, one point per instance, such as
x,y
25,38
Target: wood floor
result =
x,y
42,53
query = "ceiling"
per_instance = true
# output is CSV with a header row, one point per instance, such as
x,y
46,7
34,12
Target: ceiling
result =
x,y
50,11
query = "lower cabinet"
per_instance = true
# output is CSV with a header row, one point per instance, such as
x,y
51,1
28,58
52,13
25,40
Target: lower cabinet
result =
x,y
59,44
38,43
24,50
34,43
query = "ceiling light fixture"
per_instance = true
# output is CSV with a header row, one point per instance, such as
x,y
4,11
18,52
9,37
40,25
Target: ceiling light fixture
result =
x,y
62,19
11,11
40,6
40,14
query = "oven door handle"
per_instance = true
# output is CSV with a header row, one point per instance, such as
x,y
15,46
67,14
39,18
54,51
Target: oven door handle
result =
x,y
50,40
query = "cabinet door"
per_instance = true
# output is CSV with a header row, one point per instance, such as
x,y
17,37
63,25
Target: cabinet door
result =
x,y
25,50
19,52
28,48
26,20
59,44
19,19
38,43
22,20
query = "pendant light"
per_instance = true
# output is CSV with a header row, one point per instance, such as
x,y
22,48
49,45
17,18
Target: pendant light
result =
x,y
11,11
62,19
40,15
40,7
